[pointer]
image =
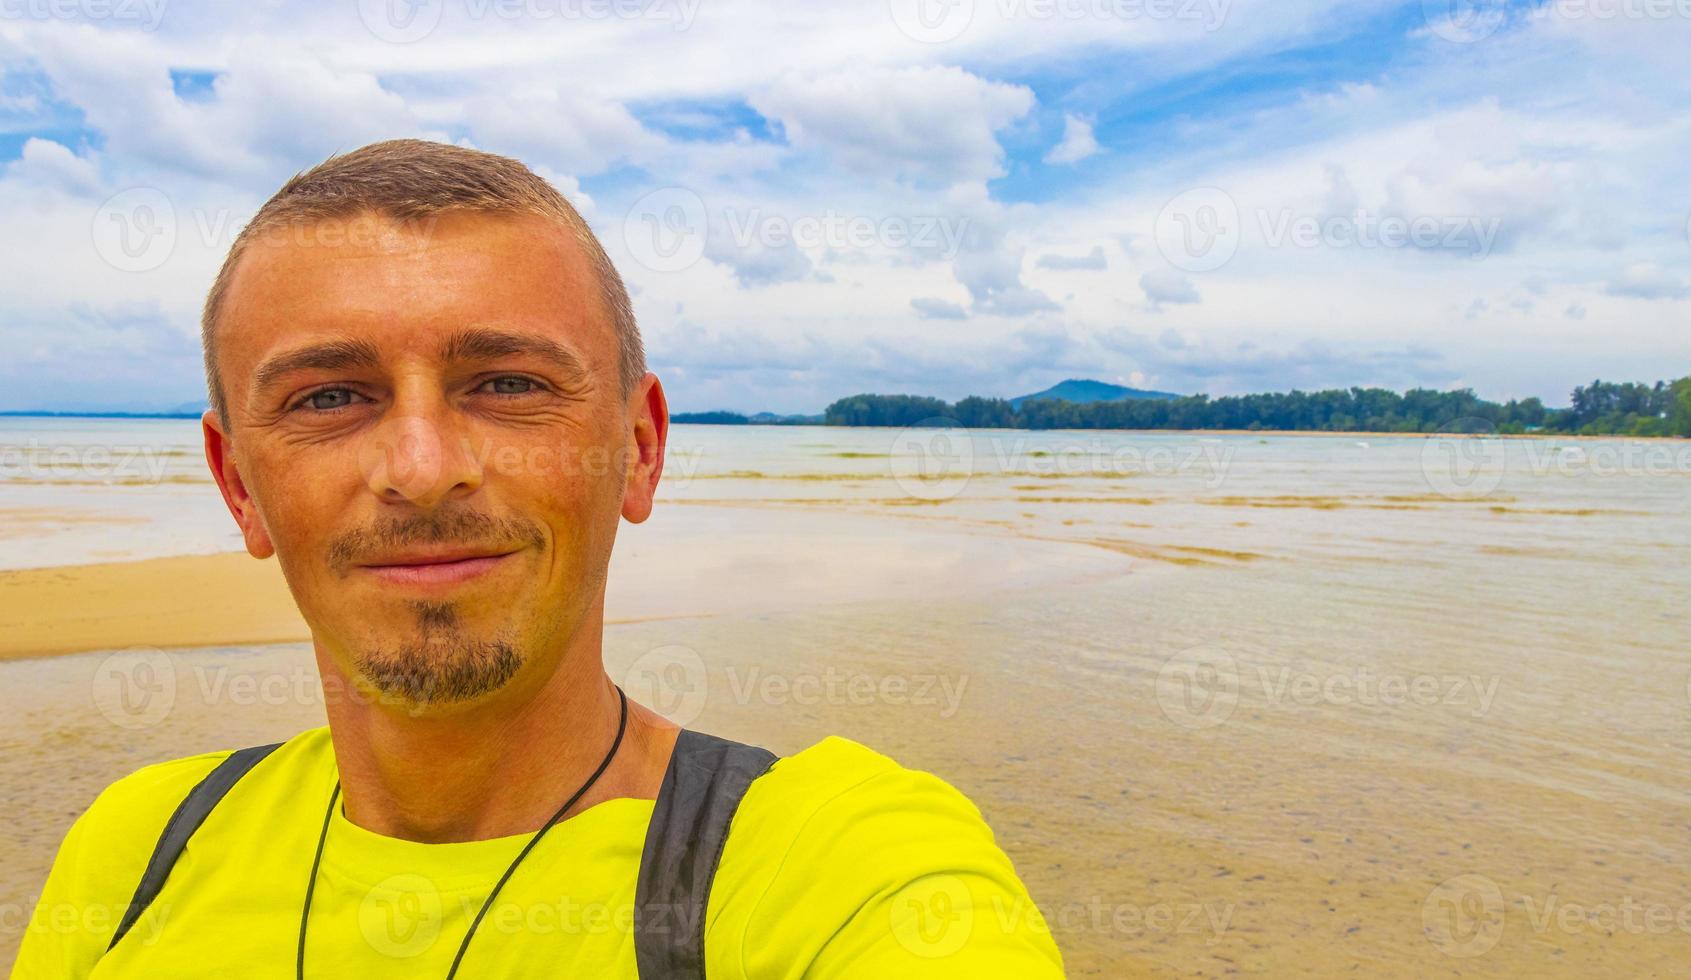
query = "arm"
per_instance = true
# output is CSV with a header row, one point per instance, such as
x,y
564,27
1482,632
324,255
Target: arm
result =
x,y
897,875
96,869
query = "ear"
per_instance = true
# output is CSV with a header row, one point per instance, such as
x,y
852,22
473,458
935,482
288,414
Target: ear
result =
x,y
220,456
648,416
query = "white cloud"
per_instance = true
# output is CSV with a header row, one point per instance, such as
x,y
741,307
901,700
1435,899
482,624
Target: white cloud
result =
x,y
756,263
570,187
560,128
931,308
1646,280
46,163
937,124
1168,286
1093,260
1077,144
994,279
1572,168
277,106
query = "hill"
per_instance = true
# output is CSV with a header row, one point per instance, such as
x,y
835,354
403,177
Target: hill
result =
x,y
1082,392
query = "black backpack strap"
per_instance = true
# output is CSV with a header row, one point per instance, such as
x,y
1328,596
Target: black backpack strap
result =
x,y
190,813
706,778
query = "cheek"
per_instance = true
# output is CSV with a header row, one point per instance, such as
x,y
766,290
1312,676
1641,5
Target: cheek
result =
x,y
298,500
574,491
566,486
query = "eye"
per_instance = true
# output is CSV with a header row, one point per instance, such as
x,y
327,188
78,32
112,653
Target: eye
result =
x,y
512,384
327,399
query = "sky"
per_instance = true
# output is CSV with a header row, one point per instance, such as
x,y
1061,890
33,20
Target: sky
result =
x,y
938,197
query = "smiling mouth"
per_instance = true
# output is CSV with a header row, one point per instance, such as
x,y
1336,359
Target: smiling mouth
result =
x,y
436,570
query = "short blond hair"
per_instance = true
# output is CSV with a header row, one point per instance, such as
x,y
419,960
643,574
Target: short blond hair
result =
x,y
407,180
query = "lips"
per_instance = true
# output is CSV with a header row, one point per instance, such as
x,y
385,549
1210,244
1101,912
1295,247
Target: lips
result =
x,y
435,567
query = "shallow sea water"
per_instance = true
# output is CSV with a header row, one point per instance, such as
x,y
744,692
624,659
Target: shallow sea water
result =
x,y
1234,704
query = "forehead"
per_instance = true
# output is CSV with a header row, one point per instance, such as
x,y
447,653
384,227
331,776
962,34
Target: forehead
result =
x,y
402,286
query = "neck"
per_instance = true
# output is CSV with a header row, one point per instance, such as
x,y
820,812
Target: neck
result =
x,y
499,767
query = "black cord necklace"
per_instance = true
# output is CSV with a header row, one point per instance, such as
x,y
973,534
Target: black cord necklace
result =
x,y
317,859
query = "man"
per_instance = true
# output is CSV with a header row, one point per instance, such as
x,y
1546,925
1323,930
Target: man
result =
x,y
430,403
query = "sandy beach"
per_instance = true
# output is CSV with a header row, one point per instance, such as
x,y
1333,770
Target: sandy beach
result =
x,y
231,598
1287,706
184,601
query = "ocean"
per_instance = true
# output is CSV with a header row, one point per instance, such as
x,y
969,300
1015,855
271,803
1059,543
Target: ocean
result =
x,y
1234,703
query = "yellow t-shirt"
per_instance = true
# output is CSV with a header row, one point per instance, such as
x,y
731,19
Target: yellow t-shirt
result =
x,y
839,863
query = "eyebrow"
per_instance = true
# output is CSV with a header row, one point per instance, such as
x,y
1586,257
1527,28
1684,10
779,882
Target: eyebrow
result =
x,y
474,344
483,344
331,356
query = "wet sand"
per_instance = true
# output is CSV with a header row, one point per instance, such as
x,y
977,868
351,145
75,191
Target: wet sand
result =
x,y
189,600
1310,713
673,568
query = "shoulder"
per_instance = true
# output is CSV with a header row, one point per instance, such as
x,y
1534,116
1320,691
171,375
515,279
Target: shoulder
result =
x,y
839,855
839,786
100,861
111,841
130,813
839,792
125,820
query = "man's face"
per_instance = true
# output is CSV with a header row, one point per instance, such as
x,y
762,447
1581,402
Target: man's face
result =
x,y
426,427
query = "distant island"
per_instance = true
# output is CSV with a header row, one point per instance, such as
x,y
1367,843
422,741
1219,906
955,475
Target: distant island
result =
x,y
1075,390
735,418
184,410
1600,408
47,414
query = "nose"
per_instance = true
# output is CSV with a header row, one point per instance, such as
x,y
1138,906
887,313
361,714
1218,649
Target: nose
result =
x,y
419,458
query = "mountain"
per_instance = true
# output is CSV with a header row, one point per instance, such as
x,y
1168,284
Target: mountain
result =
x,y
1081,391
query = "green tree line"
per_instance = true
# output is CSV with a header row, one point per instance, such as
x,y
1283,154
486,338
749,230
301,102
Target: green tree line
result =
x,y
1600,408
